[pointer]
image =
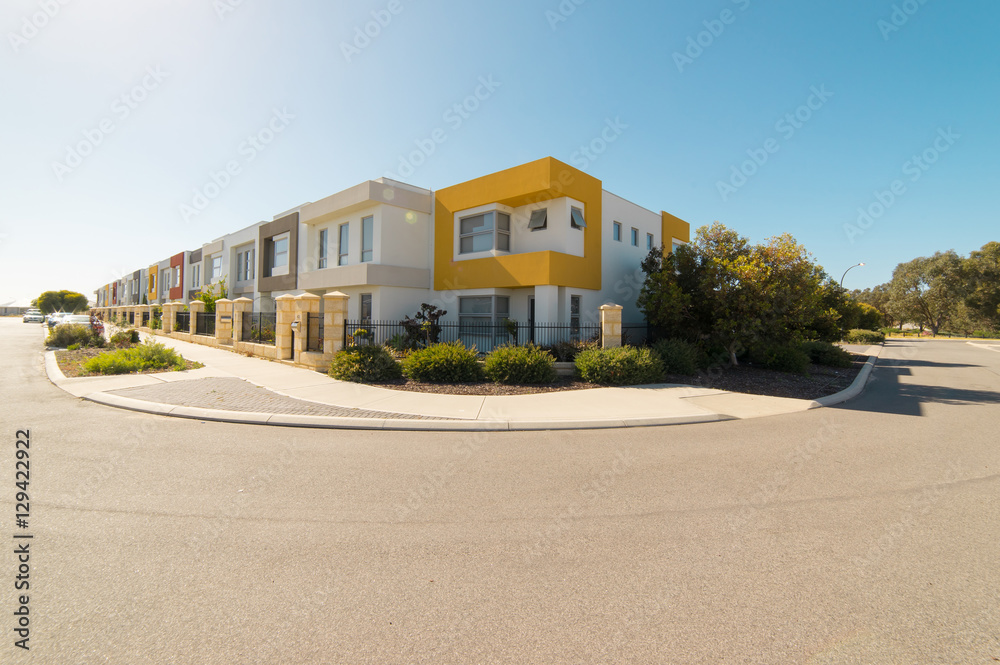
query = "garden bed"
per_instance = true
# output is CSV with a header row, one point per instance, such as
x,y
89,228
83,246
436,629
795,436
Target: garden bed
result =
x,y
745,378
71,362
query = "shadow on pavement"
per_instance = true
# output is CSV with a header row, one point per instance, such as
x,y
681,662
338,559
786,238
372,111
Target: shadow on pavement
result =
x,y
886,394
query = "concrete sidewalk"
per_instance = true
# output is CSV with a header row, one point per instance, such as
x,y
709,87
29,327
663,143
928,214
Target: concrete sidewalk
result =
x,y
236,388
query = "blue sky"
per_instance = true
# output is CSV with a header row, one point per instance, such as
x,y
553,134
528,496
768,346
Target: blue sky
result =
x,y
162,94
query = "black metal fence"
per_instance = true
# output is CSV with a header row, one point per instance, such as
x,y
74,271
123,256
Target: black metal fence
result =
x,y
315,331
182,322
131,318
259,327
145,319
205,324
484,336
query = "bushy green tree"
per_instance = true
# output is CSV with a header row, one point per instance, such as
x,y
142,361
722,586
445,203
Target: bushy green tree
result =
x,y
61,301
927,290
982,269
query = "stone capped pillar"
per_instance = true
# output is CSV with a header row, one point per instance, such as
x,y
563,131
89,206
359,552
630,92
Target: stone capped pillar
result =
x,y
305,304
334,316
169,309
195,307
239,307
611,326
224,321
284,316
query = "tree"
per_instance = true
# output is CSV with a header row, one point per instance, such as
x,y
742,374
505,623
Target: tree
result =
x,y
209,296
927,290
878,298
61,301
982,269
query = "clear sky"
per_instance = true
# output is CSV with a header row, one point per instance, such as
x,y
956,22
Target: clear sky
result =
x,y
771,117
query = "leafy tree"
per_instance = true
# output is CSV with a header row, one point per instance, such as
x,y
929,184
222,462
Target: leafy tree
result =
x,y
879,298
61,301
927,290
982,269
209,296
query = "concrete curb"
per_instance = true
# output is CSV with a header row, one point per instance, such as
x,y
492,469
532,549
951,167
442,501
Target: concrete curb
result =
x,y
855,389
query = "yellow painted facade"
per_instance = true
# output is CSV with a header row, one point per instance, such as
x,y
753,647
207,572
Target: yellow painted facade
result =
x,y
674,227
537,181
151,284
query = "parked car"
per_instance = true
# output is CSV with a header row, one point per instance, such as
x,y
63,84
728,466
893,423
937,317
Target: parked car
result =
x,y
80,320
33,316
55,318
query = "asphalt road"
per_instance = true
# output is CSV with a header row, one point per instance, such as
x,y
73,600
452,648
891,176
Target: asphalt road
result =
x,y
868,533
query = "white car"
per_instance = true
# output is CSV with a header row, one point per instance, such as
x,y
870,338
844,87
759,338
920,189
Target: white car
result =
x,y
33,316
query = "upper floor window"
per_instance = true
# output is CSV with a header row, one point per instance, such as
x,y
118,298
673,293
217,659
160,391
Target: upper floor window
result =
x,y
616,232
215,268
576,219
483,232
649,241
196,276
280,252
367,239
539,220
322,247
343,244
245,264
635,237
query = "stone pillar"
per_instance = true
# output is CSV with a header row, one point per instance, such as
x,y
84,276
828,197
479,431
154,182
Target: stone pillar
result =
x,y
195,307
169,309
611,326
305,304
284,315
239,306
224,321
334,316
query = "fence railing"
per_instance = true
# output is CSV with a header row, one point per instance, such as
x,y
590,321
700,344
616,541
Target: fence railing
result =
x,y
315,331
484,336
182,321
259,327
131,318
145,319
205,324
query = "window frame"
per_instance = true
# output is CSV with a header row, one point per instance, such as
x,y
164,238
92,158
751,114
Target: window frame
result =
x,y
343,243
245,264
539,220
361,307
574,214
483,321
650,242
494,230
634,237
368,228
323,252
616,231
277,270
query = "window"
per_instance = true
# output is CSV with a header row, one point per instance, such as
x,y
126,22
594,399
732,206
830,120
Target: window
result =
x,y
196,276
152,283
342,244
280,256
367,239
480,233
674,247
366,307
322,248
616,232
576,219
649,241
574,316
635,237
539,220
480,314
245,265
215,271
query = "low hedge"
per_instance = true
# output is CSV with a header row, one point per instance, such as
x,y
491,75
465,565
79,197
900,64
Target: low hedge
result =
x,y
450,362
622,366
679,356
124,338
858,336
364,364
825,353
520,365
781,357
140,358
64,335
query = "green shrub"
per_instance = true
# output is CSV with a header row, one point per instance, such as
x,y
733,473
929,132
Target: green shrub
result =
x,y
566,352
364,364
781,357
858,336
623,366
679,356
124,338
64,335
825,353
73,347
443,363
519,365
142,357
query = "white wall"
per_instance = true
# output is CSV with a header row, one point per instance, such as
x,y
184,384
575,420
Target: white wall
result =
x,y
621,275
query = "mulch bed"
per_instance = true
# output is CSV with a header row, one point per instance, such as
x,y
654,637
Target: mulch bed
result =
x,y
745,378
71,362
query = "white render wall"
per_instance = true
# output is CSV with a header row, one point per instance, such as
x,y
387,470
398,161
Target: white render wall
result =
x,y
621,275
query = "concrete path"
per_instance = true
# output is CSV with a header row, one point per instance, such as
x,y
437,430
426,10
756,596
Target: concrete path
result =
x,y
292,396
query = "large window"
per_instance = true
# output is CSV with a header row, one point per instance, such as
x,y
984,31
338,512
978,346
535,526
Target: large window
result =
x,y
483,232
480,314
322,248
342,244
366,307
215,271
279,258
245,264
367,239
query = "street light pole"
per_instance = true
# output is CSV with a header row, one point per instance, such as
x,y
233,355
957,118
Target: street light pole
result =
x,y
847,271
